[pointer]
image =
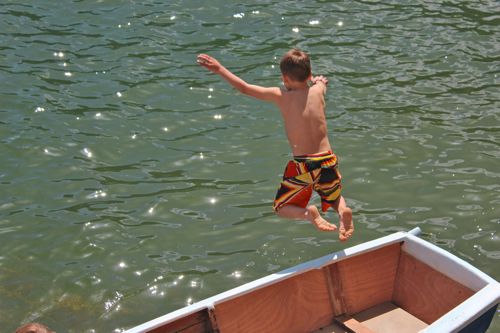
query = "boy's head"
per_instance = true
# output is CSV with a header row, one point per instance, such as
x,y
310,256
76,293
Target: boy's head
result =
x,y
33,328
296,65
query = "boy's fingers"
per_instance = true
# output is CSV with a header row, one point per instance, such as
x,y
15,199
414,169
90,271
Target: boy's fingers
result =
x,y
203,58
320,78
203,61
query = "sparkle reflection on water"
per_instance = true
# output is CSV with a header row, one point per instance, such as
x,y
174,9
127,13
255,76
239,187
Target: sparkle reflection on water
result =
x,y
133,182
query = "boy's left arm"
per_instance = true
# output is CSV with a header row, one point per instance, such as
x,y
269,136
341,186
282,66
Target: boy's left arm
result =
x,y
271,94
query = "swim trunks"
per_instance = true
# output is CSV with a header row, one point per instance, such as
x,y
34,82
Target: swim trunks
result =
x,y
303,174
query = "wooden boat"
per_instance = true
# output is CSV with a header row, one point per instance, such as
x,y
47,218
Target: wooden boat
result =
x,y
398,283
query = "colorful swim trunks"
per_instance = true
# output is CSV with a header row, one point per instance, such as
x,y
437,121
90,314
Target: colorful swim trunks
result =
x,y
306,173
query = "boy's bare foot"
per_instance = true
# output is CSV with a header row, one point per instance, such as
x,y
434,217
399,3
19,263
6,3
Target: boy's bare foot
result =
x,y
316,219
346,226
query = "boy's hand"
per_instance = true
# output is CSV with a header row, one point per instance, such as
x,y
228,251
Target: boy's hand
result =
x,y
209,63
320,78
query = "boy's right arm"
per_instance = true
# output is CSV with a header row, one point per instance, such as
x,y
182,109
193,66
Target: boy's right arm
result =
x,y
263,93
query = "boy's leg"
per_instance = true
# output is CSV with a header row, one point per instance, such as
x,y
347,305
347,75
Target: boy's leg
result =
x,y
310,213
346,227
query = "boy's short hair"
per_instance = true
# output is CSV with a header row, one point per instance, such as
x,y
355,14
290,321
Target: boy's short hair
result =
x,y
296,65
34,328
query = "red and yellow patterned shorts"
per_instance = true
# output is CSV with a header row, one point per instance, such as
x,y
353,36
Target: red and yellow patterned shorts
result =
x,y
306,173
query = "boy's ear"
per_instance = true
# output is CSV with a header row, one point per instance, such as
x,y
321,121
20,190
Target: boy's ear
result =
x,y
285,79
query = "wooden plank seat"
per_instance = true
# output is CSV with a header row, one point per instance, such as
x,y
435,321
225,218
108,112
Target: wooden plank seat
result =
x,y
382,318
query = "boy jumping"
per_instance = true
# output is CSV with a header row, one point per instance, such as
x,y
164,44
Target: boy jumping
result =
x,y
314,166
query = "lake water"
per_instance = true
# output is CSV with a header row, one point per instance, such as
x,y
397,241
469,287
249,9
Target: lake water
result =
x,y
134,182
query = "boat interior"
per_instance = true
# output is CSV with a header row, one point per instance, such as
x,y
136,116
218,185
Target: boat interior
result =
x,y
381,291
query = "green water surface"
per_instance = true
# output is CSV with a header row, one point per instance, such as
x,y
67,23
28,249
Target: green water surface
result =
x,y
134,182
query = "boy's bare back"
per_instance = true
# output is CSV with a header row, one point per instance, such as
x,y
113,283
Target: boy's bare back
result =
x,y
303,112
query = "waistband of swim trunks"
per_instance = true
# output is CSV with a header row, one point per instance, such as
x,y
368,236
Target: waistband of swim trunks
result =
x,y
318,156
